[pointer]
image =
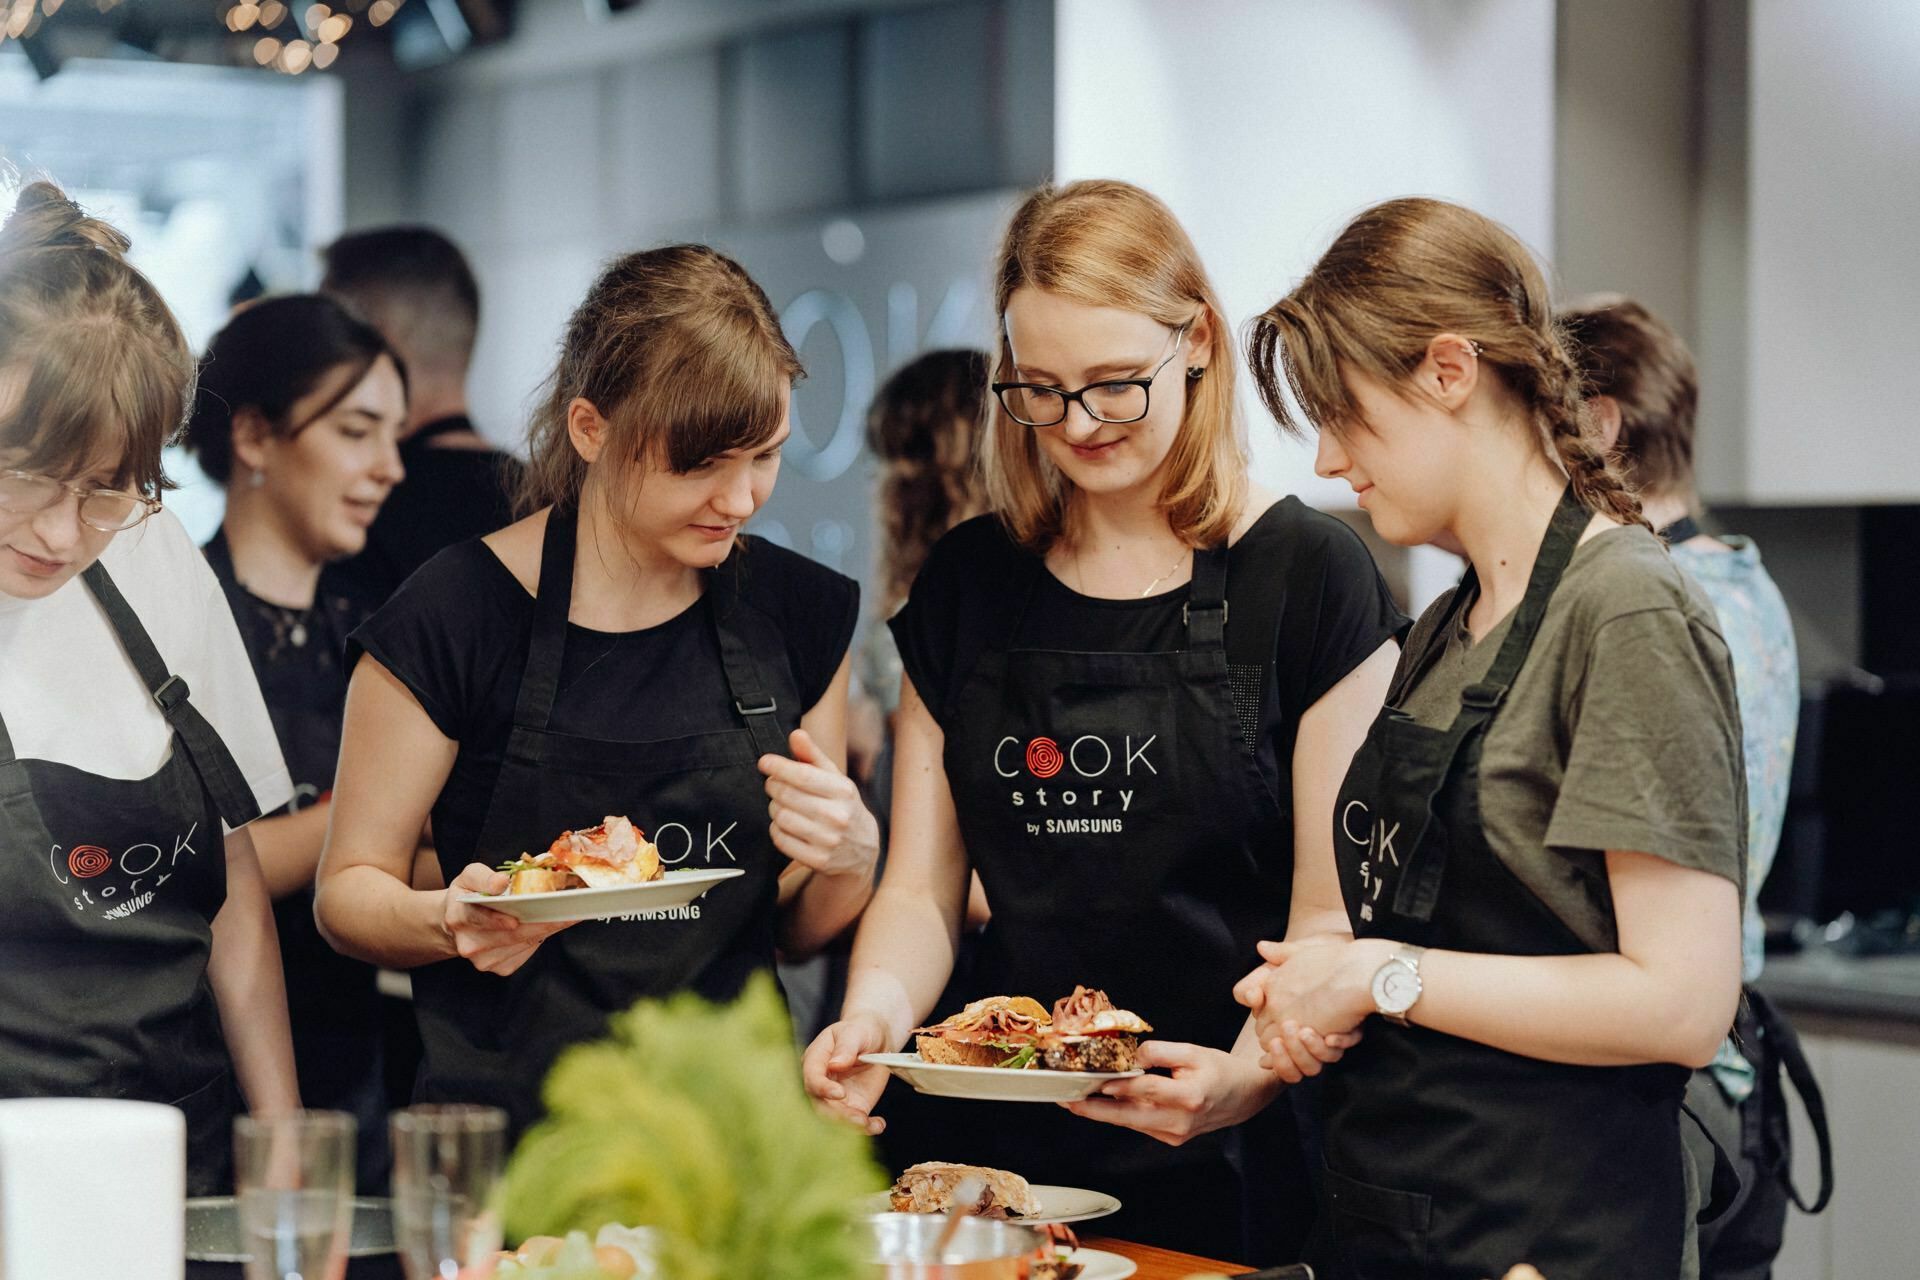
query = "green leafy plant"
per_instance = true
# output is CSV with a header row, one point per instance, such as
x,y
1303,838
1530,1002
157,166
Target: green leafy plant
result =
x,y
690,1118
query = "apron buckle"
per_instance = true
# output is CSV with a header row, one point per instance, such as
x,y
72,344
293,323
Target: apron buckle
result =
x,y
1186,613
171,694
765,709
1483,697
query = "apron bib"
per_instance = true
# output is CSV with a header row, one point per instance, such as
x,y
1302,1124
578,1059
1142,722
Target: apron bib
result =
x,y
113,888
1447,1159
700,799
1126,840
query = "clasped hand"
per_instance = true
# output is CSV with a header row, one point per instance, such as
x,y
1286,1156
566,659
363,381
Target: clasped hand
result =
x,y
1309,999
815,812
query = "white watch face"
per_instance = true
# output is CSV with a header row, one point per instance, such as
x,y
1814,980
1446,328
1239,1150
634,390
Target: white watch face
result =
x,y
1395,987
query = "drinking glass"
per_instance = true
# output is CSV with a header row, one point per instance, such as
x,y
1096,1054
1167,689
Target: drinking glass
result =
x,y
446,1160
294,1176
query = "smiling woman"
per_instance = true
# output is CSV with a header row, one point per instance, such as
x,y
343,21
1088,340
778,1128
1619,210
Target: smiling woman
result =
x,y
621,650
298,413
139,951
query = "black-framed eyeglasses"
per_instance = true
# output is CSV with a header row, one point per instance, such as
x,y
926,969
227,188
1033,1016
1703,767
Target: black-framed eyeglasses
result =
x,y
22,493
1118,401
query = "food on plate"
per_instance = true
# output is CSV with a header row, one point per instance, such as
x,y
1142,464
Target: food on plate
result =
x,y
574,1258
1086,1033
614,853
1054,1260
929,1188
997,1031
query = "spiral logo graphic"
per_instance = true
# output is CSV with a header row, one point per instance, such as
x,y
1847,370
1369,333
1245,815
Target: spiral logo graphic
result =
x,y
88,860
1044,757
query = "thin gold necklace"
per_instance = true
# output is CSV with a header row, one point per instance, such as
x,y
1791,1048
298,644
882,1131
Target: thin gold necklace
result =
x,y
1145,591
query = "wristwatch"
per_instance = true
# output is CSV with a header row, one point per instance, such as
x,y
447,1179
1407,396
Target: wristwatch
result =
x,y
1396,984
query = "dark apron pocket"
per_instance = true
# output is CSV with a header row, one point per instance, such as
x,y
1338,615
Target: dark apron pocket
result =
x,y
210,1110
1381,1233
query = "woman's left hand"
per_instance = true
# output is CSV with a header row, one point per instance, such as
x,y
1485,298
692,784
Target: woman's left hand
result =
x,y
1323,983
817,816
1208,1090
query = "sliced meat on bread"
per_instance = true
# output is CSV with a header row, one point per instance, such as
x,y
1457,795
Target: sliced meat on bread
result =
x,y
959,1053
929,1188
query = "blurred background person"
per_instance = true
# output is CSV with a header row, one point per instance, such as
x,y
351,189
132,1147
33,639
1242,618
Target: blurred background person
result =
x,y
415,286
137,946
1643,391
299,414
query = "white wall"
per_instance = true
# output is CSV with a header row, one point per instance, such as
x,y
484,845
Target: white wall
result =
x,y
1266,126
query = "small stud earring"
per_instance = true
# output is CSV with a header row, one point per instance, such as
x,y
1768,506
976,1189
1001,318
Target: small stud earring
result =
x,y
255,479
1194,371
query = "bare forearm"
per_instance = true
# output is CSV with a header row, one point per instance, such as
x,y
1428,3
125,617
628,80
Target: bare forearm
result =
x,y
289,849
1588,1010
902,958
821,910
367,913
250,991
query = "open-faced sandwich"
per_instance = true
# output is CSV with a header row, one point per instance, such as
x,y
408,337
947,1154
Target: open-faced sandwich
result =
x,y
929,1188
1086,1033
997,1031
613,853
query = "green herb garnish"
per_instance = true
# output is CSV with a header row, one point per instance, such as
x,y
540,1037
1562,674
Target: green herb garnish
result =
x,y
1022,1059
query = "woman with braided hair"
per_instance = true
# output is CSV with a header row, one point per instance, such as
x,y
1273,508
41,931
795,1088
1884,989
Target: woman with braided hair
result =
x,y
1539,845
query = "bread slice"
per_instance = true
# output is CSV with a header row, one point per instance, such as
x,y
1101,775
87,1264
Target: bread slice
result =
x,y
929,1188
542,880
958,1053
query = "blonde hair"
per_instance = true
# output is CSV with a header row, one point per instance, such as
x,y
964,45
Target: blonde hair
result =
x,y
1400,274
680,352
101,364
1111,244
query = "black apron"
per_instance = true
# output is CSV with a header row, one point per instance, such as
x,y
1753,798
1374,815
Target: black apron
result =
x,y
1447,1159
1127,841
700,799
107,926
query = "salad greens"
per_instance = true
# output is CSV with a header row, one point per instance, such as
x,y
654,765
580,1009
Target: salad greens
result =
x,y
690,1118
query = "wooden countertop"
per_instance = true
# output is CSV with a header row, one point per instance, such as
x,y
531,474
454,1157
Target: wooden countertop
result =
x,y
1165,1264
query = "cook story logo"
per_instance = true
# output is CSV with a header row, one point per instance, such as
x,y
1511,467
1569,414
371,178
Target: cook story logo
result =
x,y
1088,786
1382,859
116,886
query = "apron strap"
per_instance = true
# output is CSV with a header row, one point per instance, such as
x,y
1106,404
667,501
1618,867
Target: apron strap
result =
x,y
546,648
1682,530
1205,612
1419,889
752,696
1783,1049
208,755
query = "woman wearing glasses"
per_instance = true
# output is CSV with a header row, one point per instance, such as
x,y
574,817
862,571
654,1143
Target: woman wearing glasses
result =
x,y
134,746
1130,771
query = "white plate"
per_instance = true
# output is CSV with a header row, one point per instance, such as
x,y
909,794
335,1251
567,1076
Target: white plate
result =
x,y
993,1084
1057,1204
1101,1265
674,889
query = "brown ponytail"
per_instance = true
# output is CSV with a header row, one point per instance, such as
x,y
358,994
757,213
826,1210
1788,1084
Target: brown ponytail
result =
x,y
925,428
1401,273
103,373
683,355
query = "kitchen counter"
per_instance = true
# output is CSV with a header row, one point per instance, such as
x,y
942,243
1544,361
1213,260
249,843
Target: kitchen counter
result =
x,y
1828,984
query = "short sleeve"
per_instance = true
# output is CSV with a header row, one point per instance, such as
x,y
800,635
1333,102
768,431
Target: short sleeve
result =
x,y
222,685
437,632
937,629
1338,613
821,617
1654,762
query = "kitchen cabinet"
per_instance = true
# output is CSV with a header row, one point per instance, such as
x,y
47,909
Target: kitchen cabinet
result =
x,y
1869,1071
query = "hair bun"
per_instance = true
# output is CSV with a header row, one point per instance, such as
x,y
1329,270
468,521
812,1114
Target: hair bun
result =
x,y
45,219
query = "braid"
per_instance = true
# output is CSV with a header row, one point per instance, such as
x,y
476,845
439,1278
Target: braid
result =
x,y
1597,483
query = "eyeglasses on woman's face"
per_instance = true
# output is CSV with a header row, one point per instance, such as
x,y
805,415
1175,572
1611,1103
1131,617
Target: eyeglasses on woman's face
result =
x,y
1117,401
23,493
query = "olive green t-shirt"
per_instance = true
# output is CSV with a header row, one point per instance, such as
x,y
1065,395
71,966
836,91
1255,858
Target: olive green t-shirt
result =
x,y
1621,730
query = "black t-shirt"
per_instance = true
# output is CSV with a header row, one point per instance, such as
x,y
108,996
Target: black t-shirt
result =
x,y
456,634
298,657
449,495
1298,566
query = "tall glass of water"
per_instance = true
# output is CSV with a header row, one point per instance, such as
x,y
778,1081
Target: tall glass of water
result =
x,y
294,1175
446,1160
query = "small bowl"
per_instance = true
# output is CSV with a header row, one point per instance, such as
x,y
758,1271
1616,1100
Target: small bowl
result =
x,y
900,1245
